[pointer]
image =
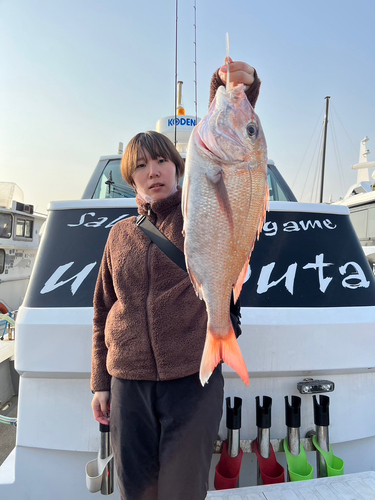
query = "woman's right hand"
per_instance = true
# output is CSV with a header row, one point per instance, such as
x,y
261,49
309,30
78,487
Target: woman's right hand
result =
x,y
101,407
239,72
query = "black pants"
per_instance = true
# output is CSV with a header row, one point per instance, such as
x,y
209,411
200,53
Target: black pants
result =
x,y
162,436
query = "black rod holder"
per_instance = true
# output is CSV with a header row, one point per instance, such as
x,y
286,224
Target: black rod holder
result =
x,y
321,411
293,412
263,421
234,426
263,413
321,420
234,414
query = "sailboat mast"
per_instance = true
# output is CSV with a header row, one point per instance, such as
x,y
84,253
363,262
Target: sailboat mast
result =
x,y
324,148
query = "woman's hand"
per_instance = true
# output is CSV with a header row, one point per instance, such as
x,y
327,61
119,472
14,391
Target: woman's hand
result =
x,y
239,72
101,407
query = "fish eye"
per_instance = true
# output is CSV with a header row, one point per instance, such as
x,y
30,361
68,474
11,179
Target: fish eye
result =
x,y
251,129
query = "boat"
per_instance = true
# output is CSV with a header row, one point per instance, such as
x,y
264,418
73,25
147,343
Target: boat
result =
x,y
360,199
20,230
308,328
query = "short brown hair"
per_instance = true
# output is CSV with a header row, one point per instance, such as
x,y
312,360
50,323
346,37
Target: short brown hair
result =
x,y
156,145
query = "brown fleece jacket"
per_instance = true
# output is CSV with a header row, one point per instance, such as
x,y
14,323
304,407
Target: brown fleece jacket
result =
x,y
148,322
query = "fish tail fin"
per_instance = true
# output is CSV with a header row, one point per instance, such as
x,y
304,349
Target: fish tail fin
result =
x,y
226,349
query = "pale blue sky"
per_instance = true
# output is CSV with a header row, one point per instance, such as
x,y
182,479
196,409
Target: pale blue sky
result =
x,y
79,76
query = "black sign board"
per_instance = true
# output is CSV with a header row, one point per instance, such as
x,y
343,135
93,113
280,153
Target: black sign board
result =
x,y
302,259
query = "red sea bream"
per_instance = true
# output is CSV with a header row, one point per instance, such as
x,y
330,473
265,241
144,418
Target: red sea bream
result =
x,y
225,194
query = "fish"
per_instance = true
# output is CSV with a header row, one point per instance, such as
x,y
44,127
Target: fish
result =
x,y
224,201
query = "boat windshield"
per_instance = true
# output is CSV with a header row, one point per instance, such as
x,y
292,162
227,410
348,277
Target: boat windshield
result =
x,y
5,225
112,185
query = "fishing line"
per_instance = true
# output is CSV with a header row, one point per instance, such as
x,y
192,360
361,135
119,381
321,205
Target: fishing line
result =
x,y
175,81
311,162
299,168
354,147
312,159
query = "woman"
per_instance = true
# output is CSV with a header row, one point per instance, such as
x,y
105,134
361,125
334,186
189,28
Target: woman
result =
x,y
149,333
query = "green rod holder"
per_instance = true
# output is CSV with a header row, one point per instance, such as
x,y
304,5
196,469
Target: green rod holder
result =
x,y
299,468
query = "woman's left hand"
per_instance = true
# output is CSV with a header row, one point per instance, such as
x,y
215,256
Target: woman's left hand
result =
x,y
101,407
239,72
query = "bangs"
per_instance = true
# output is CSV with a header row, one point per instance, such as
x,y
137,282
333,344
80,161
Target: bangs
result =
x,y
153,146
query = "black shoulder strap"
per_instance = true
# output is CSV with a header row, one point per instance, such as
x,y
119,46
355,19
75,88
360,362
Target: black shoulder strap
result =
x,y
178,258
162,241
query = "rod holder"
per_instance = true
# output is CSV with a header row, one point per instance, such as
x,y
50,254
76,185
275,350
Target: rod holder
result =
x,y
99,472
234,426
327,463
298,467
268,470
263,413
321,411
293,423
104,452
263,422
228,469
321,421
293,412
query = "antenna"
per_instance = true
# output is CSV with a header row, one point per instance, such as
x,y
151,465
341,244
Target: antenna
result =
x,y
175,81
195,63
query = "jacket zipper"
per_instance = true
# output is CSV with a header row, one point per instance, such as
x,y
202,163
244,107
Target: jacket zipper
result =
x,y
147,302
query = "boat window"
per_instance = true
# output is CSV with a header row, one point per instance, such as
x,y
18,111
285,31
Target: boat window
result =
x,y
24,228
5,225
277,193
111,184
371,223
2,260
359,221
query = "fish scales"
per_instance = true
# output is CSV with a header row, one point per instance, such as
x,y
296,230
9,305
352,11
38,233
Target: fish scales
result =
x,y
225,193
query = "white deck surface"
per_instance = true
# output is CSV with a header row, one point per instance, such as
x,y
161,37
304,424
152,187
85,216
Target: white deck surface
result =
x,y
359,486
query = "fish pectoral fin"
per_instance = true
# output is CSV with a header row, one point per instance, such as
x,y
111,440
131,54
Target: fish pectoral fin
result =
x,y
197,286
215,175
216,179
240,280
222,348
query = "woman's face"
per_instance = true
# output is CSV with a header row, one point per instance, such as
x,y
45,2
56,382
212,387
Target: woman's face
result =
x,y
155,178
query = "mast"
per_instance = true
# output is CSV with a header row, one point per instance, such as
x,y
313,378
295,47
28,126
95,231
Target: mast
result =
x,y
324,148
175,78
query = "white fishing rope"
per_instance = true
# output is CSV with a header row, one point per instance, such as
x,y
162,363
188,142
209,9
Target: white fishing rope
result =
x,y
228,85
